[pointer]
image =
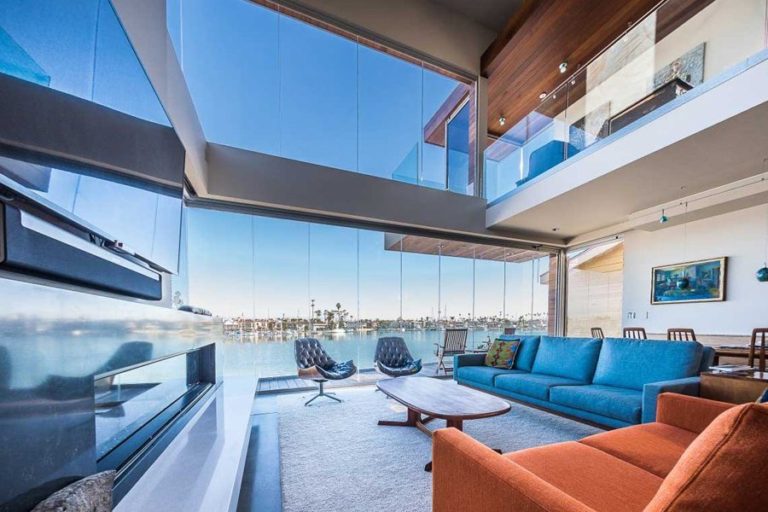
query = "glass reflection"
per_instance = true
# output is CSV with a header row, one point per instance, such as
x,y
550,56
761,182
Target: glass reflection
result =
x,y
128,400
146,218
78,47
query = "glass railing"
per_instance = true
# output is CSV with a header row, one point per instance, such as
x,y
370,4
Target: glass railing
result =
x,y
677,47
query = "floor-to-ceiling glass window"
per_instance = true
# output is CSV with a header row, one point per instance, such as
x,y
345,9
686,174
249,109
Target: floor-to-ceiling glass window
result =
x,y
273,280
297,88
389,109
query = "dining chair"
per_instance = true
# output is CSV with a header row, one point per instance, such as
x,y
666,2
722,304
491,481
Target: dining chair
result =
x,y
635,333
454,343
681,334
760,333
597,333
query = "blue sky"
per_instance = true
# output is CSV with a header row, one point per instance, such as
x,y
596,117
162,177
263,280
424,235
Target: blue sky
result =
x,y
261,266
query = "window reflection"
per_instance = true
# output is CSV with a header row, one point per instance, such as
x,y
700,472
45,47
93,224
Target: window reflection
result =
x,y
147,218
77,47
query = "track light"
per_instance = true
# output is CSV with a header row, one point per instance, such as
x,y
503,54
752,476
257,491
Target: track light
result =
x,y
663,219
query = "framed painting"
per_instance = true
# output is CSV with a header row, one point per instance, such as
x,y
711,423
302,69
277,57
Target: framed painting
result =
x,y
695,281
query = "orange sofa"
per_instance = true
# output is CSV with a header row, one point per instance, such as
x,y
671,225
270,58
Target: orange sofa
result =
x,y
699,455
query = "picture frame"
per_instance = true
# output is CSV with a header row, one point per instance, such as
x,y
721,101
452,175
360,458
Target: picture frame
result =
x,y
693,281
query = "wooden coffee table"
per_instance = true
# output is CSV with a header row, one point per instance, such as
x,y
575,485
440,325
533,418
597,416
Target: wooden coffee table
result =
x,y
439,399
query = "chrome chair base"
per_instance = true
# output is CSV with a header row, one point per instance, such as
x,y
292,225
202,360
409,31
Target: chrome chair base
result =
x,y
322,392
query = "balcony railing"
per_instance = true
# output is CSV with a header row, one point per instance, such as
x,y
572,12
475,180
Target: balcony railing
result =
x,y
675,48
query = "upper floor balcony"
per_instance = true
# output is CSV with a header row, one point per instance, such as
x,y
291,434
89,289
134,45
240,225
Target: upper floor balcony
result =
x,y
686,68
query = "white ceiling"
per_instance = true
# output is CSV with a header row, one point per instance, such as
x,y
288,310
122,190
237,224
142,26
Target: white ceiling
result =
x,y
492,14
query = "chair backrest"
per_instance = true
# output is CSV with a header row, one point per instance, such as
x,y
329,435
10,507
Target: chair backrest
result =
x,y
597,332
681,334
510,330
635,333
455,340
393,352
761,333
309,352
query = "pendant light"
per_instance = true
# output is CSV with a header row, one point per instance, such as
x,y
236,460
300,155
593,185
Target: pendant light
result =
x,y
683,283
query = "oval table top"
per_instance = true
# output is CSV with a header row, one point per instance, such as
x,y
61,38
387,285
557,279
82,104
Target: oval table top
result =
x,y
443,399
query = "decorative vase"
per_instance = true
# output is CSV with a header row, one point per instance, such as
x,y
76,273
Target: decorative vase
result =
x,y
762,275
683,283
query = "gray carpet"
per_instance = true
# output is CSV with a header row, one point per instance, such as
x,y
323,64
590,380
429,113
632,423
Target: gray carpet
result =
x,y
334,457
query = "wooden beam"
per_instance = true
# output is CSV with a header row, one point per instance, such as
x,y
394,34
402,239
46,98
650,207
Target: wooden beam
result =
x,y
510,29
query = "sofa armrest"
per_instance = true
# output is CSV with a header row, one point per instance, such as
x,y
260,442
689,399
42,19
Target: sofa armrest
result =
x,y
689,412
469,476
467,360
652,390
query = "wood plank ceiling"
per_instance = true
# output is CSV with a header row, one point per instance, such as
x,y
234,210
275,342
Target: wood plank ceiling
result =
x,y
523,61
427,245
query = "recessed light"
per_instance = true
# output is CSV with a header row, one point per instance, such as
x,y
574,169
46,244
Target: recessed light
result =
x,y
555,229
502,120
563,67
543,95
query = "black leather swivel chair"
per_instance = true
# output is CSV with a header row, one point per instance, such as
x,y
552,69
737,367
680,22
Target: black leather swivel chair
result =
x,y
315,364
394,359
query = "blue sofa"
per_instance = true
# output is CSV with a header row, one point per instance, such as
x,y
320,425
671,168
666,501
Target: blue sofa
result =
x,y
614,382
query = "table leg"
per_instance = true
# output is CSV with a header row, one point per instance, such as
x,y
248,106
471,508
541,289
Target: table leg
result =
x,y
455,423
411,421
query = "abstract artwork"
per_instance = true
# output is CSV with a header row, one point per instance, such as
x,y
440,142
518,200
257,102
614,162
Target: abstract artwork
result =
x,y
689,67
591,128
697,281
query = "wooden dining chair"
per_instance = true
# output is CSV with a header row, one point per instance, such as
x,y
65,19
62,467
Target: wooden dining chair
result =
x,y
681,334
455,342
635,333
760,333
597,333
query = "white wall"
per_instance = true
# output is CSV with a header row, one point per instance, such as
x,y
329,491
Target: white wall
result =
x,y
740,235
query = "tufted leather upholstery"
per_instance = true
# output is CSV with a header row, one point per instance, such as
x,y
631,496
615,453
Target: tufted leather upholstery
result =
x,y
314,363
393,358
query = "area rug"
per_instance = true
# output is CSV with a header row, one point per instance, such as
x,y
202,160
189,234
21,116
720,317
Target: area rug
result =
x,y
334,456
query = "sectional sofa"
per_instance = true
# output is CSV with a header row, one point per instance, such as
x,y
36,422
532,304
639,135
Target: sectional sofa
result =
x,y
614,382
700,455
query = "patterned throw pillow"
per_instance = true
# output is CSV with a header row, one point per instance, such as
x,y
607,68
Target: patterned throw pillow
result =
x,y
502,354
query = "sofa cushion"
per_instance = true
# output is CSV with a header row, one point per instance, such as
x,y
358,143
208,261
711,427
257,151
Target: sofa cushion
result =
x,y
502,354
532,384
526,354
482,374
724,469
572,358
654,447
630,364
618,403
600,481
